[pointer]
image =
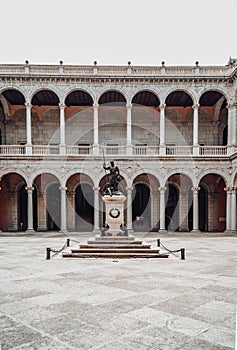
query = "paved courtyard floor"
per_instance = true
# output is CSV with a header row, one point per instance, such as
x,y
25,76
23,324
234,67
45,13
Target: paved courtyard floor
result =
x,y
125,304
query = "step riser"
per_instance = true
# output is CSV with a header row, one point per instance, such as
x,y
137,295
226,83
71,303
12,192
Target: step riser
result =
x,y
108,251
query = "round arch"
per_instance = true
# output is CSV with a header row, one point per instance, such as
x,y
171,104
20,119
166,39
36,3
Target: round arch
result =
x,y
84,92
45,89
118,94
181,90
155,102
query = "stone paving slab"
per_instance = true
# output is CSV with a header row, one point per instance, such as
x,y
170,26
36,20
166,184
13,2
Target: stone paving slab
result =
x,y
106,304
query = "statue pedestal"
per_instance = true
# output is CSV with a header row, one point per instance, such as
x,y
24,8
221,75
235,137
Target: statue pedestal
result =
x,y
114,208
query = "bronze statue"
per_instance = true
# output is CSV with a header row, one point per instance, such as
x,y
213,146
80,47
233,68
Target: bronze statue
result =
x,y
114,178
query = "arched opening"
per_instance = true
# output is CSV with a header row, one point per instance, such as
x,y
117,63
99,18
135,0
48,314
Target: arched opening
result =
x,y
23,207
172,209
212,203
213,119
178,119
141,208
225,136
203,209
112,121
84,204
145,121
53,199
45,119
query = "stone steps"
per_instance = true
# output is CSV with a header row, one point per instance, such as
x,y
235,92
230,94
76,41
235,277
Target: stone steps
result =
x,y
112,255
119,247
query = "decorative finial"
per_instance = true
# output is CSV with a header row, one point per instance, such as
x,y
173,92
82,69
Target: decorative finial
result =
x,y
61,62
163,63
26,62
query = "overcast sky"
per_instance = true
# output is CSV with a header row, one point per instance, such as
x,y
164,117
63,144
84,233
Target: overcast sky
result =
x,y
179,32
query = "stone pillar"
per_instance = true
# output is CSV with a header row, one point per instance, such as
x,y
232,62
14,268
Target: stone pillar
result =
x,y
129,209
154,210
12,212
162,130
42,212
228,208
129,129
63,209
195,130
62,129
195,210
96,129
233,209
183,212
162,209
71,213
28,129
96,210
232,115
30,209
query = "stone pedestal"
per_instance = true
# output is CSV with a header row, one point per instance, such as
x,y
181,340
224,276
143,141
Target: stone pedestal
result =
x,y
114,208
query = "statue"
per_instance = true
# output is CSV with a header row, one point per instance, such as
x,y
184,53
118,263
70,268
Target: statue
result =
x,y
114,178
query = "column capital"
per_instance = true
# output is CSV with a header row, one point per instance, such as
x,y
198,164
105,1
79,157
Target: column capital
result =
x,y
195,189
63,188
96,189
228,189
29,189
129,189
162,106
231,104
129,105
62,105
96,105
196,106
162,189
28,105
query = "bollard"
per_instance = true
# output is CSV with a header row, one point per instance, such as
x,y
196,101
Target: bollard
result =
x,y
158,242
48,250
68,242
182,253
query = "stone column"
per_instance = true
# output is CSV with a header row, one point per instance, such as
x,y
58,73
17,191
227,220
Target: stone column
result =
x,y
195,210
228,208
233,209
96,129
96,229
62,129
162,130
42,212
129,129
71,213
129,210
232,115
28,129
183,211
195,130
63,209
12,211
30,209
162,209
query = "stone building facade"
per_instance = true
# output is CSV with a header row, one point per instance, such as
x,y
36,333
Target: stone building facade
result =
x,y
171,131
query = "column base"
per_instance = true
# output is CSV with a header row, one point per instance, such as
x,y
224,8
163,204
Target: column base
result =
x,y
162,230
63,230
195,231
96,231
30,230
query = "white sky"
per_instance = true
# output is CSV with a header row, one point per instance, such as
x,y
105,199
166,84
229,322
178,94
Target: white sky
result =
x,y
179,32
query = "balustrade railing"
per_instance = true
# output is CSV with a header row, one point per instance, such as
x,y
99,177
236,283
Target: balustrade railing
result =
x,y
142,151
117,70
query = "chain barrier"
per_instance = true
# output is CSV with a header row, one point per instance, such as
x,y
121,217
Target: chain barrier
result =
x,y
56,251
181,250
